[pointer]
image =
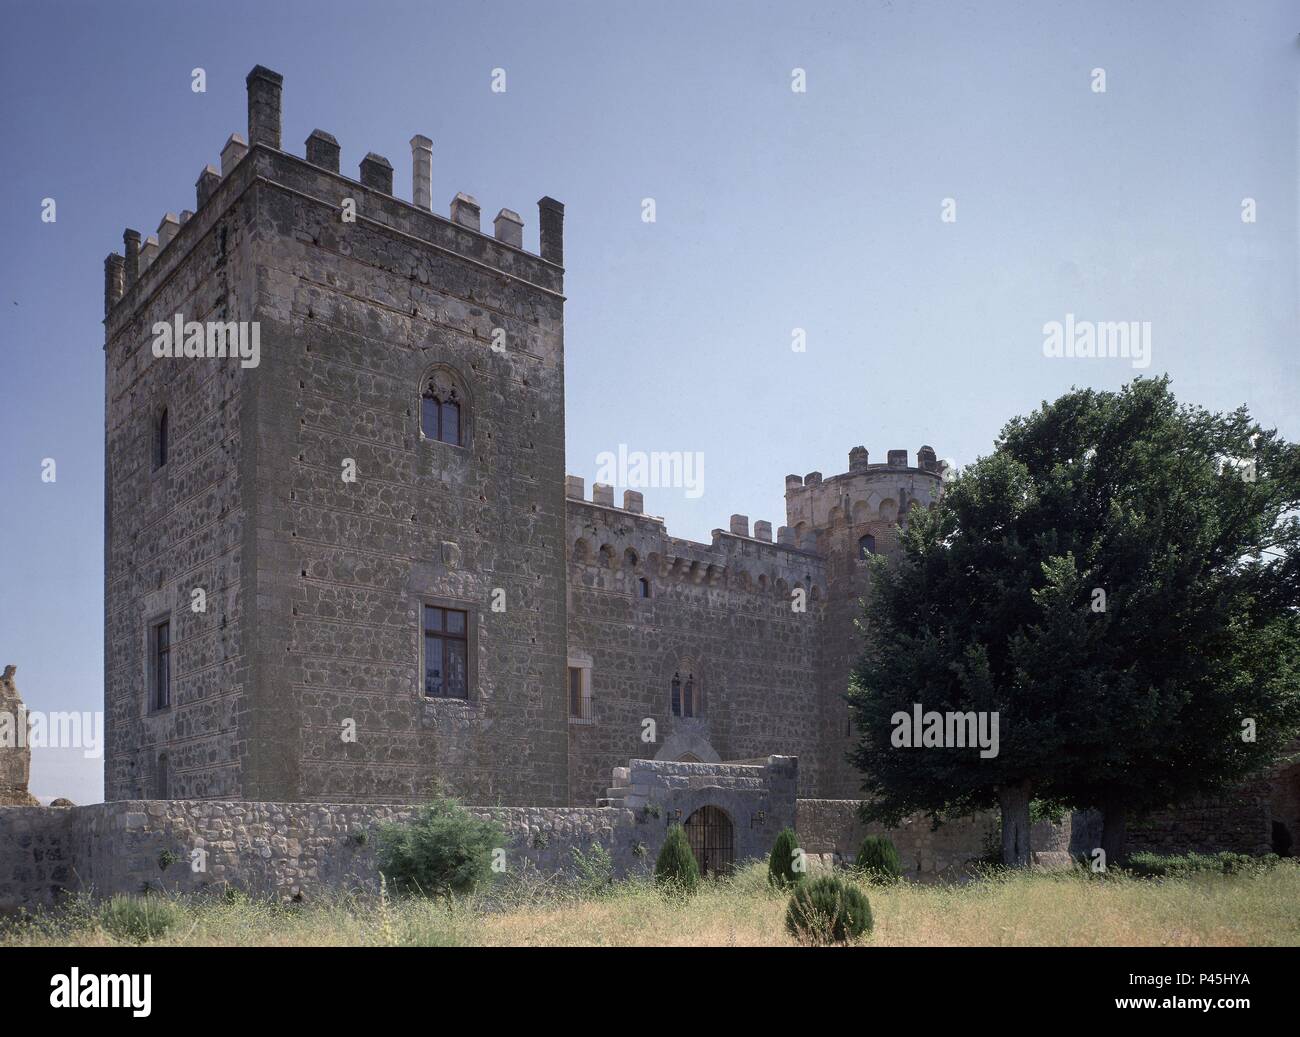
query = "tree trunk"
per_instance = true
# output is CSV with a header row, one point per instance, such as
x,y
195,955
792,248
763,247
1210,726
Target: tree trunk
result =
x,y
1014,801
1114,832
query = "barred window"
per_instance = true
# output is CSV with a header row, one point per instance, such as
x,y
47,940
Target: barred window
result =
x,y
580,693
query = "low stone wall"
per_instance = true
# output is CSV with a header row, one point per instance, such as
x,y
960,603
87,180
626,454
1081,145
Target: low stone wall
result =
x,y
280,849
305,849
293,850
37,854
831,831
1239,822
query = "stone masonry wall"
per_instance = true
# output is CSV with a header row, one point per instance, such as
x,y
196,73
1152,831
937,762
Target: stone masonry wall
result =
x,y
359,316
830,829
291,849
184,525
831,516
1239,822
277,849
720,613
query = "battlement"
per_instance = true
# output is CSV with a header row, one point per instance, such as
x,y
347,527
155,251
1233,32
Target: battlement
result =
x,y
866,493
624,540
131,276
602,496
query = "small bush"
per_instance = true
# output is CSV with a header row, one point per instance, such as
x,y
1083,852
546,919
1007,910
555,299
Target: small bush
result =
x,y
1181,866
827,910
444,850
138,919
595,869
781,873
676,869
878,860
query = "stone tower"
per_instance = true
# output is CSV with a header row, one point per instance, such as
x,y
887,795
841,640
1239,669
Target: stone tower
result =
x,y
292,537
845,518
16,758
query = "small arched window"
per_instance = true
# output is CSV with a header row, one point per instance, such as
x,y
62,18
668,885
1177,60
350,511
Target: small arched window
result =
x,y
443,409
685,702
164,779
642,587
866,546
160,440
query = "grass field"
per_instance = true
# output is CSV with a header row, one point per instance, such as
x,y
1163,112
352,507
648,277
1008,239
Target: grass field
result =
x,y
996,909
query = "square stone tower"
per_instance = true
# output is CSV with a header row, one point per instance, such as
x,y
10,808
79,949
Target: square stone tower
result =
x,y
334,560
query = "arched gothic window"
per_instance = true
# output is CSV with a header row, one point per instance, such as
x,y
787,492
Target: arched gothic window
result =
x,y
443,409
866,546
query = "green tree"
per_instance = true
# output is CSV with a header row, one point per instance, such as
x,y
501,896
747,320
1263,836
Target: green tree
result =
x,y
1119,580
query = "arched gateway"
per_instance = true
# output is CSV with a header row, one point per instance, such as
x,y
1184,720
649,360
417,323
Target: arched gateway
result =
x,y
712,839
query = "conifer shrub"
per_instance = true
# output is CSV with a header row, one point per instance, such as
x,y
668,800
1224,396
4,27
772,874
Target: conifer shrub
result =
x,y
781,873
443,851
878,860
826,910
676,870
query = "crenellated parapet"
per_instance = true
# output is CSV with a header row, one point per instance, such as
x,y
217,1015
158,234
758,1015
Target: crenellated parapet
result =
x,y
603,536
867,494
131,278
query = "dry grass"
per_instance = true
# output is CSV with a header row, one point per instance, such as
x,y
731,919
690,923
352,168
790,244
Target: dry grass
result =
x,y
994,910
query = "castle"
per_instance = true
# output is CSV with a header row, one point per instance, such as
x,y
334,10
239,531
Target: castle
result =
x,y
354,566
343,565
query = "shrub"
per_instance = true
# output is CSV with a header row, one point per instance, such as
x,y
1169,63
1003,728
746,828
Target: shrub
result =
x,y
140,918
676,869
595,869
443,850
781,873
826,910
878,860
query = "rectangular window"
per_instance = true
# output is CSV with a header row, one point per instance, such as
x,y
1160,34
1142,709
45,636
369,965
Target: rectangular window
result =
x,y
575,691
162,665
160,444
446,653
580,693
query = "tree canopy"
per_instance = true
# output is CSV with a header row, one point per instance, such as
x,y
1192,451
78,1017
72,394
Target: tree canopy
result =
x,y
1118,581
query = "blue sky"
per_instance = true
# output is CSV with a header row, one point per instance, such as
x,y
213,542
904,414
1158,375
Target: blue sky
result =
x,y
775,210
